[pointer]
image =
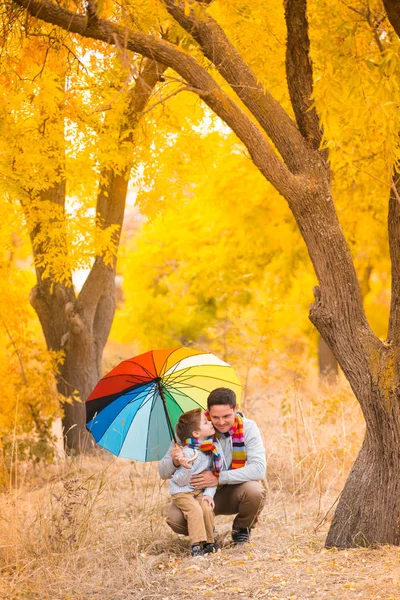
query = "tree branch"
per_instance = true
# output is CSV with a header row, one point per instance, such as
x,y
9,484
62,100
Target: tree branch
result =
x,y
96,298
219,50
262,154
299,72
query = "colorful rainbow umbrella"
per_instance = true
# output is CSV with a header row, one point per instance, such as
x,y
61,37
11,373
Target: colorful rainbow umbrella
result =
x,y
133,410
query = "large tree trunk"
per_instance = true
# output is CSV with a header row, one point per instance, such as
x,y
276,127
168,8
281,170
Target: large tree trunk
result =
x,y
79,326
369,507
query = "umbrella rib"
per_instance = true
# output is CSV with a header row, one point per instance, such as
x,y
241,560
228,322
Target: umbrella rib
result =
x,y
133,362
117,395
184,386
179,374
186,396
154,363
145,369
164,403
168,377
120,411
125,392
206,377
168,358
198,353
141,377
148,428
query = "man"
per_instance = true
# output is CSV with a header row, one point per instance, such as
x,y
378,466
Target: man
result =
x,y
243,468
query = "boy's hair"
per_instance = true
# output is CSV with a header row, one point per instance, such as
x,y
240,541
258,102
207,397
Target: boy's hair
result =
x,y
221,396
187,423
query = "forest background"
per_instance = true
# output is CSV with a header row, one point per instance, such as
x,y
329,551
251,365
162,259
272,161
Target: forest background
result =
x,y
210,255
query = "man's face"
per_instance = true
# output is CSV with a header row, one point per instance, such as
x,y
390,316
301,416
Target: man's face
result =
x,y
222,417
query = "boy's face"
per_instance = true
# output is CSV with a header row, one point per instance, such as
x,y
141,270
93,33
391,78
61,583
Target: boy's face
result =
x,y
222,417
205,430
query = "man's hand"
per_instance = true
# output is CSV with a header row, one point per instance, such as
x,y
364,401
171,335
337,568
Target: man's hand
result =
x,y
204,479
209,501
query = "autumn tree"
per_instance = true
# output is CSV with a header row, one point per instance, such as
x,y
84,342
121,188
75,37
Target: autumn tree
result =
x,y
37,136
286,142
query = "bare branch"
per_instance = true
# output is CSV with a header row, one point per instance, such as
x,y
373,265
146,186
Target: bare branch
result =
x,y
184,88
299,73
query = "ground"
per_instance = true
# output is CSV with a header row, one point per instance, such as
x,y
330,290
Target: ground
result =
x,y
94,529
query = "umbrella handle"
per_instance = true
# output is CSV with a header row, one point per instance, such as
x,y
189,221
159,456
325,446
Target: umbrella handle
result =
x,y
192,458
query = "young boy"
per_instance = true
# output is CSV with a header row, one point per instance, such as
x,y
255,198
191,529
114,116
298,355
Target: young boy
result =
x,y
200,453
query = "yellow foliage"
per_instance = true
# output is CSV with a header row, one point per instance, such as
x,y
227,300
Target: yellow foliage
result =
x,y
29,401
216,259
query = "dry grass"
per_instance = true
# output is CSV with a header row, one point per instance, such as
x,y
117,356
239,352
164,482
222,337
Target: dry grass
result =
x,y
94,529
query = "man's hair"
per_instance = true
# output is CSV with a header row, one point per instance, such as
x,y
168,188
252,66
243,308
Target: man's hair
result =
x,y
221,396
187,423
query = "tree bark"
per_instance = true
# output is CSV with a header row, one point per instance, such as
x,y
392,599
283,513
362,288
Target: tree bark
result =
x,y
368,512
393,12
394,245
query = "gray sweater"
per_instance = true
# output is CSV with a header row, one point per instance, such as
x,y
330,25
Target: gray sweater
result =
x,y
254,469
179,481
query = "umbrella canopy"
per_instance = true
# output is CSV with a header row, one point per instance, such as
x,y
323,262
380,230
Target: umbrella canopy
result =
x,y
133,410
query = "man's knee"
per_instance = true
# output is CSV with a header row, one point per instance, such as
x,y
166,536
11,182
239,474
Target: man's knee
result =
x,y
253,490
253,494
176,520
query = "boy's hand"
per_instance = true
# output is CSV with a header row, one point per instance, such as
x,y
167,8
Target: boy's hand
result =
x,y
209,501
176,454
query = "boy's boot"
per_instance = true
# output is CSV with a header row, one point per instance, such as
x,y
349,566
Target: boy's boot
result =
x,y
210,548
197,550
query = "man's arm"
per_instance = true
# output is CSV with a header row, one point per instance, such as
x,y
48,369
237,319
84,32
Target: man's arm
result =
x,y
256,464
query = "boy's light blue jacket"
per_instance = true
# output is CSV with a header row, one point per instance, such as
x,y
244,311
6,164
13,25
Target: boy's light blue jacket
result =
x,y
180,479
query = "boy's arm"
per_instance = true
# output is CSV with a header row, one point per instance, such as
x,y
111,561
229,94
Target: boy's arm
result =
x,y
166,466
182,475
210,491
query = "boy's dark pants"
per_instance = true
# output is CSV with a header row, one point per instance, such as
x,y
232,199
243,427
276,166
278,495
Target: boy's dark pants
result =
x,y
245,500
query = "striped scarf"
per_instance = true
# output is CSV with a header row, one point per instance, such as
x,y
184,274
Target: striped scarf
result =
x,y
239,455
207,445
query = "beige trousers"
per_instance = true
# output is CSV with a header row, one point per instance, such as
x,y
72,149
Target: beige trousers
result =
x,y
197,516
245,500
